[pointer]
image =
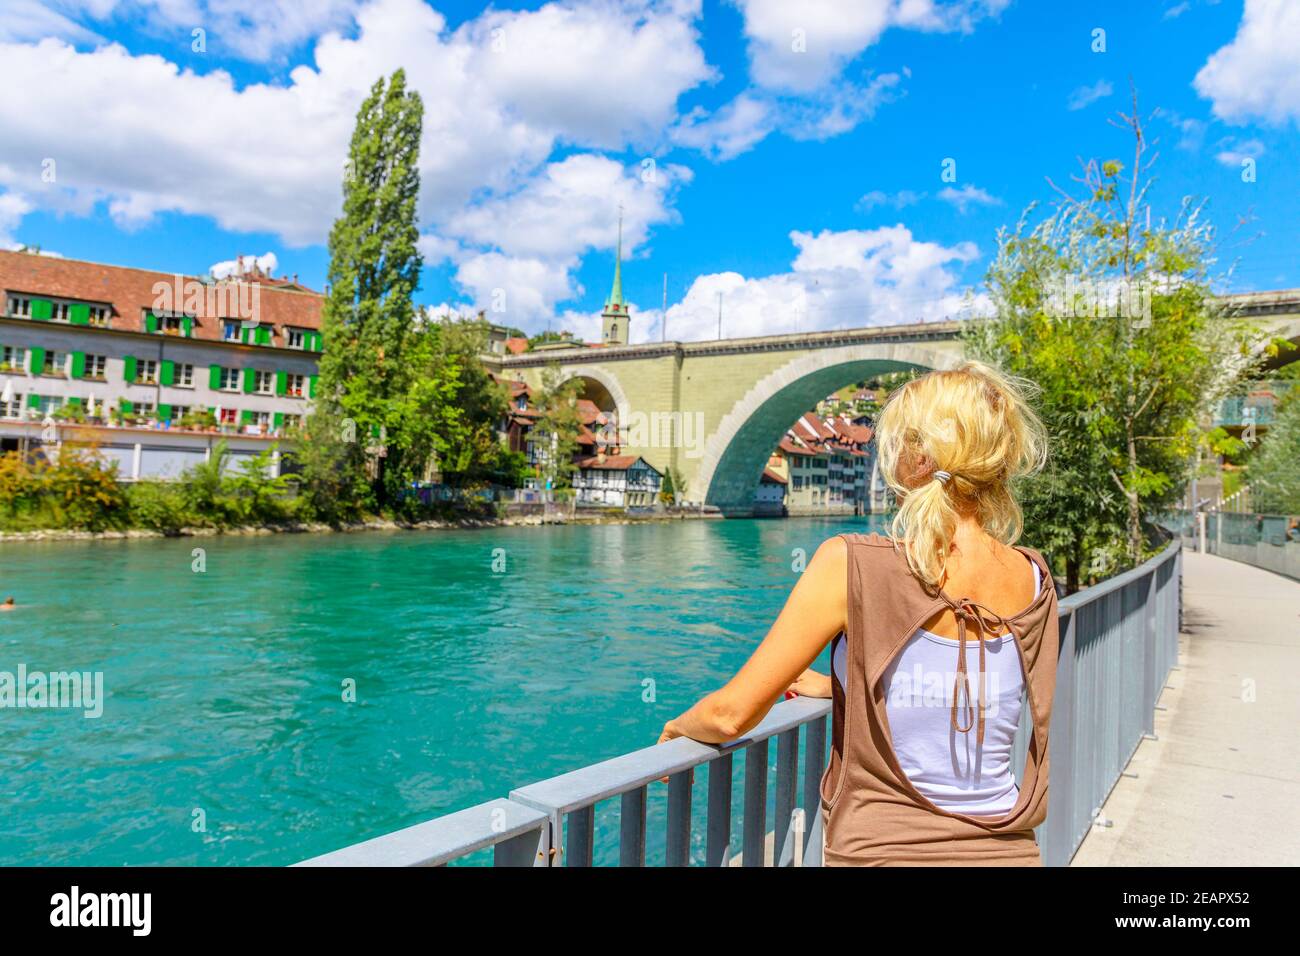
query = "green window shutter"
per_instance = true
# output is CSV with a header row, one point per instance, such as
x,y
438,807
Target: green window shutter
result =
x,y
311,386
74,399
317,341
126,406
281,382
277,419
36,360
164,412
33,401
150,322
243,334
79,314
249,384
78,364
167,374
42,309
128,368
187,326
214,377
246,416
263,336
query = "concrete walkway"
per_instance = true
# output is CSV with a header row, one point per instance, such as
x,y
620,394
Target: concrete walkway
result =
x,y
1221,785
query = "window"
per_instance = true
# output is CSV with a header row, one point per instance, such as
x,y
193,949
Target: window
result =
x,y
184,376
74,313
144,409
230,330
171,325
55,363
12,358
146,371
229,380
44,405
261,418
228,416
95,365
179,412
296,385
294,339
12,409
293,421
264,383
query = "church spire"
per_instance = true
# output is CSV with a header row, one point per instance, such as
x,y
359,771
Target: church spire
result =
x,y
615,303
615,318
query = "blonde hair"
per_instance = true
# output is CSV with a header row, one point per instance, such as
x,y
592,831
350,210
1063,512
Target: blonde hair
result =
x,y
951,443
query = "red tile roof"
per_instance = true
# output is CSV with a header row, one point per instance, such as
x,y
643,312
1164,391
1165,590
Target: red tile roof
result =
x,y
770,475
516,345
130,293
611,462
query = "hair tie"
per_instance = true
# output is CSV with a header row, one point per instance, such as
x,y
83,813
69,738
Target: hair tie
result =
x,y
942,477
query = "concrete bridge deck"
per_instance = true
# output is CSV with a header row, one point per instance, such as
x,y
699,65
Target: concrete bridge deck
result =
x,y
1221,783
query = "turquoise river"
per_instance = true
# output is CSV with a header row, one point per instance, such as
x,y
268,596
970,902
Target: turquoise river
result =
x,y
482,661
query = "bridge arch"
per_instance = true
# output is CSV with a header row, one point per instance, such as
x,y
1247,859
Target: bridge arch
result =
x,y
605,382
737,450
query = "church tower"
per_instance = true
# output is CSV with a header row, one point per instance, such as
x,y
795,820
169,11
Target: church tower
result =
x,y
614,320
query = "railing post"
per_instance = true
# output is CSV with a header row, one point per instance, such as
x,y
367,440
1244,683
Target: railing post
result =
x,y
718,841
787,758
755,822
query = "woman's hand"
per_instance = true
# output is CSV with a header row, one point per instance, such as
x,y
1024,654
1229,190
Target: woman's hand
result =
x,y
811,684
670,732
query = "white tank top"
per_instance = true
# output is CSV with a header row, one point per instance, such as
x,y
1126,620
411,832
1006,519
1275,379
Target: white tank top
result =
x,y
942,763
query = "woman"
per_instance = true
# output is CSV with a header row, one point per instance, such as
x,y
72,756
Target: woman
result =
x,y
937,631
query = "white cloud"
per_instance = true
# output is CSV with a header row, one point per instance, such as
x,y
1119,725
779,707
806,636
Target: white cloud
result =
x,y
1232,151
267,262
1087,95
1177,10
255,30
801,47
140,135
12,209
837,280
898,200
26,20
727,132
1255,76
965,197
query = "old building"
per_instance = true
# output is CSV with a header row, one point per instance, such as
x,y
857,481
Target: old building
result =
x,y
152,367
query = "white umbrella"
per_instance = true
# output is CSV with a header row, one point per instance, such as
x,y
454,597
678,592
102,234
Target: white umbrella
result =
x,y
7,395
90,406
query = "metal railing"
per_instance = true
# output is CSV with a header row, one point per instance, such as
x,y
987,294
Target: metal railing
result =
x,y
1119,641
1268,541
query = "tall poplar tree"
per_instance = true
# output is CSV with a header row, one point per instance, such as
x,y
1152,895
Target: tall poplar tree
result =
x,y
368,320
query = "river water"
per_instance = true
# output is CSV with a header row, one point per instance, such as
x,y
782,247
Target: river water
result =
x,y
481,661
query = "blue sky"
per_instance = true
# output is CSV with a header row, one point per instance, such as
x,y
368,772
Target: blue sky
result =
x,y
784,156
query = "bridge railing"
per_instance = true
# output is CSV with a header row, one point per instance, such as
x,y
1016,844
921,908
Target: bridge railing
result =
x,y
1119,641
1268,541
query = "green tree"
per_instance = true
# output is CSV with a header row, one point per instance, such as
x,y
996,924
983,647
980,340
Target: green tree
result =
x,y
368,318
1108,309
1273,470
555,433
452,412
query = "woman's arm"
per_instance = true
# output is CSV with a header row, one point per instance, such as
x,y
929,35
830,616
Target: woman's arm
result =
x,y
813,614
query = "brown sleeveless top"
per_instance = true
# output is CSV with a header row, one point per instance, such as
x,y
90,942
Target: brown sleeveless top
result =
x,y
873,814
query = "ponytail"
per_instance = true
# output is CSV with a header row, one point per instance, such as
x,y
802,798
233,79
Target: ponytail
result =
x,y
952,443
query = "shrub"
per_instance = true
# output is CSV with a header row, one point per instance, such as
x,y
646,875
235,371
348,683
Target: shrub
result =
x,y
159,506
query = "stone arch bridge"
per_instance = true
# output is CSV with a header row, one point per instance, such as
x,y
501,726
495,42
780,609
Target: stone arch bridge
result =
x,y
714,410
